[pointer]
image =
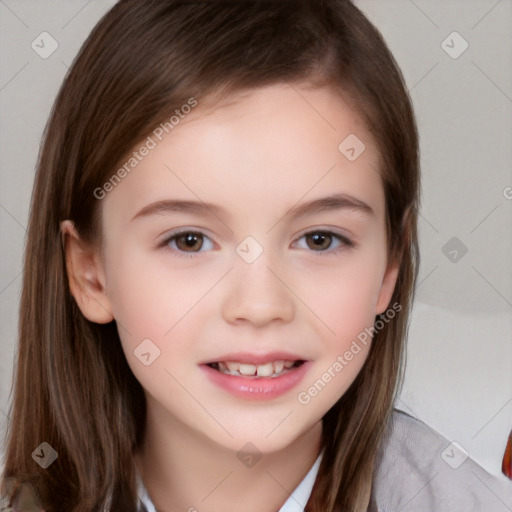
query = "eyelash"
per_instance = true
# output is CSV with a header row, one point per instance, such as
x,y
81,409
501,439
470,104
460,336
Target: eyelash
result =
x,y
345,242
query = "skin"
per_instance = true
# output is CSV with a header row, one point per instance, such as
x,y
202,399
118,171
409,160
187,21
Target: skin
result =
x,y
257,156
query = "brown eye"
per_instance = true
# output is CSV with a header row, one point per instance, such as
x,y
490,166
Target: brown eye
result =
x,y
319,241
325,242
189,242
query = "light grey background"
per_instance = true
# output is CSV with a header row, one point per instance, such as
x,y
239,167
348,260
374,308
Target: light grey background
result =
x,y
458,378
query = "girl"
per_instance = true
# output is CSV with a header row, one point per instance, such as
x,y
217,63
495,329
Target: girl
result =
x,y
219,271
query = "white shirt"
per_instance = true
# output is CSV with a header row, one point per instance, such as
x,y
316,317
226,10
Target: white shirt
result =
x,y
295,503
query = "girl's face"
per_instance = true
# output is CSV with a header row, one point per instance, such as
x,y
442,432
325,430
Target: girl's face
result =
x,y
249,241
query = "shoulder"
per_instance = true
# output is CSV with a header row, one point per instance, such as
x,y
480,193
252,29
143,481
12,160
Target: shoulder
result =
x,y
25,497
420,470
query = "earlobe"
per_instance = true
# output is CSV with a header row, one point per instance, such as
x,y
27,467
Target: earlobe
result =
x,y
387,287
85,276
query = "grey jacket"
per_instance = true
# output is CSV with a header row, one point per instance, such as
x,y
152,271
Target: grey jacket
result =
x,y
419,470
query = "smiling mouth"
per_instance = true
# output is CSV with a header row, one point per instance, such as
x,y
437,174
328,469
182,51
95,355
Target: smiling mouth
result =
x,y
271,369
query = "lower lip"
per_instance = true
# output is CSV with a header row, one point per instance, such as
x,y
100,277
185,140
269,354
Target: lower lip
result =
x,y
263,388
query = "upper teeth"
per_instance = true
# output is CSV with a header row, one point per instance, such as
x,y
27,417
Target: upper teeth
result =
x,y
251,370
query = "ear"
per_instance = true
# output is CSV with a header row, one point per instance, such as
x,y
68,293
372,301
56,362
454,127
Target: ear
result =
x,y
85,276
391,274
388,286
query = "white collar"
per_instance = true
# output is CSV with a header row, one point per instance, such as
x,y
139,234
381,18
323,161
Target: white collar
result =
x,y
295,503
300,496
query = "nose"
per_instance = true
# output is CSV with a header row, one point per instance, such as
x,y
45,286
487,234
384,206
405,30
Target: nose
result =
x,y
257,295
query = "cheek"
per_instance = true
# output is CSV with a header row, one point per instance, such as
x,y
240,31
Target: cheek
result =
x,y
345,304
151,307
149,294
154,299
344,297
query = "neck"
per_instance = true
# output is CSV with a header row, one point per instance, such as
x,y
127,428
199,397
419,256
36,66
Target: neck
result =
x,y
185,471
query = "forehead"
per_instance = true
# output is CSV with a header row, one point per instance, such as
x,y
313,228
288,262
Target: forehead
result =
x,y
269,146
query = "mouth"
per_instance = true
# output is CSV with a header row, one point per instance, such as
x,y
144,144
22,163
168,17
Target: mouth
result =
x,y
269,370
259,377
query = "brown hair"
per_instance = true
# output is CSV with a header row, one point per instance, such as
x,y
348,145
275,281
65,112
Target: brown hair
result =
x,y
145,58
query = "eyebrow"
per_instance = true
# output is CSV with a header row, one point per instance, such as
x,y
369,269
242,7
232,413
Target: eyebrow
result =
x,y
334,202
179,206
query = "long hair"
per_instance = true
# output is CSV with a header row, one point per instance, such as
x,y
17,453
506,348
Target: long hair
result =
x,y
144,59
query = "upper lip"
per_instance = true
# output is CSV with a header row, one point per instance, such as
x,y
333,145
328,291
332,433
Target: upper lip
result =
x,y
253,358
